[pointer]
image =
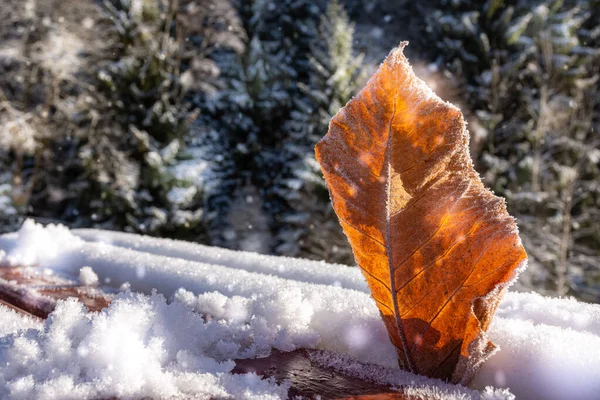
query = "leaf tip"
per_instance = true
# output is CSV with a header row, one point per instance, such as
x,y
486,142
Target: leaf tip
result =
x,y
396,56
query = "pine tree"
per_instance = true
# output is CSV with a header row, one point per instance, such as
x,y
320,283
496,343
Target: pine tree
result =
x,y
527,69
139,146
106,100
251,111
310,228
41,92
137,122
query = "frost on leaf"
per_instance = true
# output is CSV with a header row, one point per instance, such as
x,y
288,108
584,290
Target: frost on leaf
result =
x,y
436,247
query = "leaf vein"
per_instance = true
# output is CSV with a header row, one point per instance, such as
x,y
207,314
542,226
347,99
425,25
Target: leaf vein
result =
x,y
452,295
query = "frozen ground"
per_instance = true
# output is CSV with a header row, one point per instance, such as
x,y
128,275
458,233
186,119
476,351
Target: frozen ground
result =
x,y
156,344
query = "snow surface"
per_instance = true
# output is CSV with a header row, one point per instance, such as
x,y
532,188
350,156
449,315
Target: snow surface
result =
x,y
284,267
139,347
143,345
13,322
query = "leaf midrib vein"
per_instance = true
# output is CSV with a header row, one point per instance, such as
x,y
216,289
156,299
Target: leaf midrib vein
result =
x,y
388,247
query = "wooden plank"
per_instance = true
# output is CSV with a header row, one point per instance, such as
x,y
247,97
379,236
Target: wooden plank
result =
x,y
310,380
26,299
36,291
19,310
92,298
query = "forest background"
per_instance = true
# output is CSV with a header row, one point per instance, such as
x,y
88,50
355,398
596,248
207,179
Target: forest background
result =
x,y
197,119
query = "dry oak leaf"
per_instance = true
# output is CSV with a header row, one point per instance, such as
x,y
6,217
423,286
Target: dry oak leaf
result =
x,y
437,248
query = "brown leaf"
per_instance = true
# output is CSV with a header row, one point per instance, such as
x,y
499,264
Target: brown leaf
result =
x,y
436,247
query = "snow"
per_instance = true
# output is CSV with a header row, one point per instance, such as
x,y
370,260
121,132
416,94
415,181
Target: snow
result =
x,y
140,347
331,312
224,304
182,196
420,387
565,313
12,322
6,202
284,267
88,277
541,361
37,246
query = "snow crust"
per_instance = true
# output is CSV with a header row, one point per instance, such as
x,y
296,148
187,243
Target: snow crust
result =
x,y
225,305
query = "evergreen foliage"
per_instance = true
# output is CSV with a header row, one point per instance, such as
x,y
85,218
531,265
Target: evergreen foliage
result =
x,y
43,65
115,119
528,70
250,113
138,122
336,76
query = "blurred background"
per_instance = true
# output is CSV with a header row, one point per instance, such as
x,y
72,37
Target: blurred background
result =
x,y
197,119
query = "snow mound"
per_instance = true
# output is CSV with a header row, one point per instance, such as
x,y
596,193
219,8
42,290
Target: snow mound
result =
x,y
139,347
226,305
36,245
